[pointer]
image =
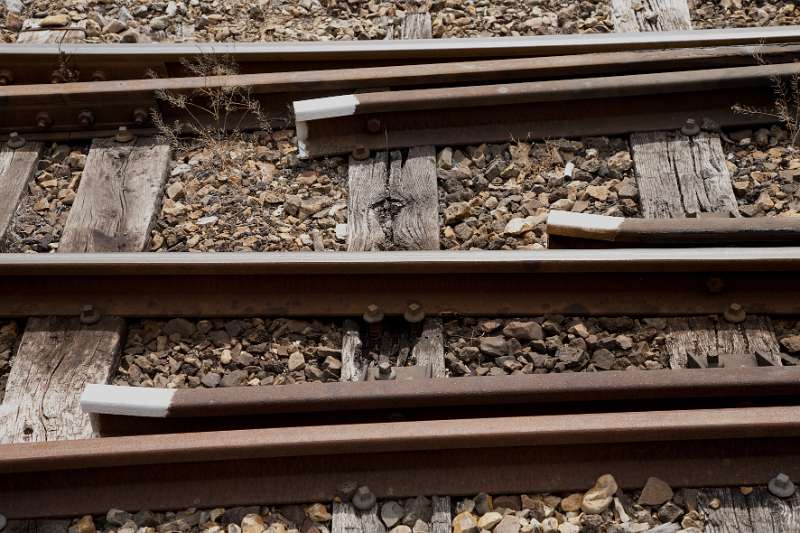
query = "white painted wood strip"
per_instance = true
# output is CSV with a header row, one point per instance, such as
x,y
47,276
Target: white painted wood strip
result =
x,y
429,349
126,401
353,367
118,198
571,224
17,167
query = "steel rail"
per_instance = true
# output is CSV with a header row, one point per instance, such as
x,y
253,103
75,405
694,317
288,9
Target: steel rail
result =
x,y
34,63
698,447
116,410
117,103
500,112
567,229
594,282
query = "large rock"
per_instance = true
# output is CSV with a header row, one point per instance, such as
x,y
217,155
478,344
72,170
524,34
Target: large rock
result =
x,y
527,331
655,492
599,497
465,523
495,346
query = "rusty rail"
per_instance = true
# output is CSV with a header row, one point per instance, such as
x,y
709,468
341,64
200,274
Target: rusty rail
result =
x,y
498,113
693,447
35,63
119,411
115,103
569,230
596,282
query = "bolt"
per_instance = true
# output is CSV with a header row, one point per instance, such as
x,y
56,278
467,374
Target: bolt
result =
x,y
373,317
86,118
690,128
713,360
374,125
360,153
414,315
43,120
346,490
363,499
123,135
385,371
15,140
89,315
781,486
714,284
98,75
735,314
6,77
139,116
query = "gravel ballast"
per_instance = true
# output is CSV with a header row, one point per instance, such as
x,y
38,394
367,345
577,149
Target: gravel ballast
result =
x,y
497,196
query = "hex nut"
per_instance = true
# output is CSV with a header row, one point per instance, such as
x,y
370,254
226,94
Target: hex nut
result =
x,y
360,153
690,128
15,140
123,135
373,314
363,499
414,313
735,314
781,486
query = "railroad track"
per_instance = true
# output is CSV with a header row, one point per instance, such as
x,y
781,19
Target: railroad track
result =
x,y
697,361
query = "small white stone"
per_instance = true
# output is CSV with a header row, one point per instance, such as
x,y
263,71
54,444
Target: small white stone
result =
x,y
205,221
341,232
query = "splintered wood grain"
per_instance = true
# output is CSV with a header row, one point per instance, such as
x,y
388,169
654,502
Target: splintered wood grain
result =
x,y
758,511
118,197
57,357
429,349
366,185
442,517
417,26
344,519
703,335
17,167
354,368
416,225
650,15
682,176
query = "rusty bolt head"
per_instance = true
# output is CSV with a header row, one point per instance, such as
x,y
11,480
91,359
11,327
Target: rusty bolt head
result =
x,y
414,313
6,77
373,314
714,284
735,314
363,499
374,125
99,75
86,118
781,486
690,127
89,315
43,120
139,116
360,153
123,135
15,140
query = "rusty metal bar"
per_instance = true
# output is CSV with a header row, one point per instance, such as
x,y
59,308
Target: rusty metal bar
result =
x,y
568,230
693,448
136,411
498,113
595,282
33,63
114,103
